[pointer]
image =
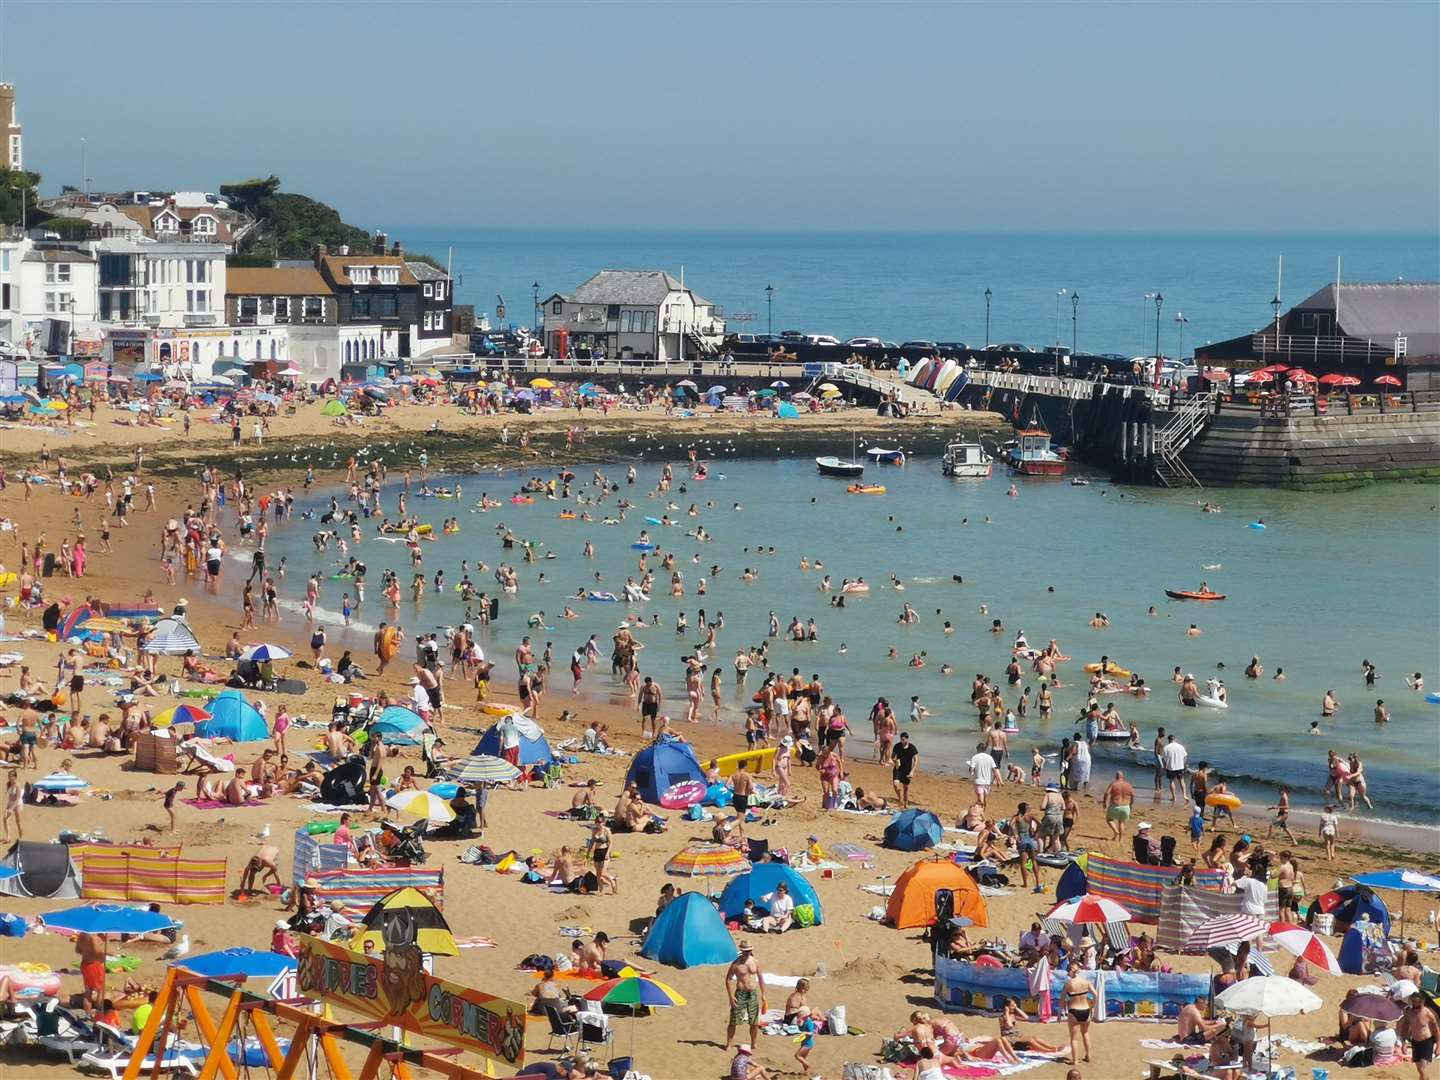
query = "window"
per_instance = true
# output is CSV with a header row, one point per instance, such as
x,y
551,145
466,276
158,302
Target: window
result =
x,y
282,309
314,307
5,260
57,303
114,270
249,307
204,225
555,307
190,271
57,273
389,275
649,322
197,301
440,290
267,305
625,321
104,306
428,323
427,290
389,306
360,307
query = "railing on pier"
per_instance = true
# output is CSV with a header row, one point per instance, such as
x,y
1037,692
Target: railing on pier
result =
x,y
1188,421
1313,349
1051,385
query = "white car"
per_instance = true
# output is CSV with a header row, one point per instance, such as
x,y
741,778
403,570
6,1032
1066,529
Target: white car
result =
x,y
863,343
822,339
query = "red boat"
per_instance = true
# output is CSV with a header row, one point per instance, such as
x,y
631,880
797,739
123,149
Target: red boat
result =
x,y
1187,594
1033,456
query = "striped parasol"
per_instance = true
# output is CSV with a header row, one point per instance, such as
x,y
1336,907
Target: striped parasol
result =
x,y
635,991
261,653
421,804
1225,930
60,781
181,714
1306,944
484,769
1087,909
705,860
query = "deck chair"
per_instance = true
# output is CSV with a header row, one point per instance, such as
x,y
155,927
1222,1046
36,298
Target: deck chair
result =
x,y
594,1028
67,1034
198,758
114,1052
554,776
562,1028
758,849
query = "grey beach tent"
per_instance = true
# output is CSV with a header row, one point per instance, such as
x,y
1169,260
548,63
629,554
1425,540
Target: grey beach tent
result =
x,y
45,870
172,636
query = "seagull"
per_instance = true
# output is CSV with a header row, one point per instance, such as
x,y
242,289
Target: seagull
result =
x,y
179,949
263,834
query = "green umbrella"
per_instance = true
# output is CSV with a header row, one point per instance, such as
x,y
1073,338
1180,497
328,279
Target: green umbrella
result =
x,y
334,408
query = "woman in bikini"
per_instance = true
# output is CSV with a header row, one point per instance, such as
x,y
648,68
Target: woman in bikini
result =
x,y
1079,996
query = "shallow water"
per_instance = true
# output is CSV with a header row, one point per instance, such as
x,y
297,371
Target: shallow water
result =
x,y
1332,579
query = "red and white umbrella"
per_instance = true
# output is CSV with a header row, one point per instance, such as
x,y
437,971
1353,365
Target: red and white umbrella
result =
x,y
1387,380
1225,930
1299,375
1215,375
1306,944
1336,379
1087,909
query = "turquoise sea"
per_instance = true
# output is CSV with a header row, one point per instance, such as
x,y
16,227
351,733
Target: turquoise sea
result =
x,y
931,286
1332,580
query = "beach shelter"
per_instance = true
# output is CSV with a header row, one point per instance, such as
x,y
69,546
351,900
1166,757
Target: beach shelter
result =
x,y
1072,882
399,719
913,830
233,718
1348,904
43,870
1363,947
1184,909
689,933
534,749
1401,881
406,914
786,411
763,880
658,768
334,408
912,903
172,636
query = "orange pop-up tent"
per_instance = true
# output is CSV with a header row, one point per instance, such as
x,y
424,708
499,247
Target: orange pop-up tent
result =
x,y
913,901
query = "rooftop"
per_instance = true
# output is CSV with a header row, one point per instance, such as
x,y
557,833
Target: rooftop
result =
x,y
335,267
423,271
1383,311
647,288
275,281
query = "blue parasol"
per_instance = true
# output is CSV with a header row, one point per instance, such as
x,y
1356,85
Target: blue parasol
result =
x,y
108,919
238,961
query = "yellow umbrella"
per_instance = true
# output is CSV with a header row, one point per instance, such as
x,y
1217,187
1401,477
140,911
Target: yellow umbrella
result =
x,y
56,403
827,386
421,804
542,384
831,393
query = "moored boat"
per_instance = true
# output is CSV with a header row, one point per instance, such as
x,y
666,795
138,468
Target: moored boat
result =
x,y
965,459
834,466
1193,594
882,456
1033,455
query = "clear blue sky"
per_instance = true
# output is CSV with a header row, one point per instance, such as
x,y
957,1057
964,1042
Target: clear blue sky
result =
x,y
1078,116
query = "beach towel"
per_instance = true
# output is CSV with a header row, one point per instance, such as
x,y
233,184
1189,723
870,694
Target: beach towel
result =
x,y
220,804
879,890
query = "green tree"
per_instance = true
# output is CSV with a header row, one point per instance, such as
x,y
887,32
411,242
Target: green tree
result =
x,y
247,194
17,196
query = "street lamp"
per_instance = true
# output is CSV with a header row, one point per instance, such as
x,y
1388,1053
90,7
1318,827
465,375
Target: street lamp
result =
x,y
987,317
1144,311
770,311
535,290
1074,323
1158,301
1180,321
1275,303
1058,297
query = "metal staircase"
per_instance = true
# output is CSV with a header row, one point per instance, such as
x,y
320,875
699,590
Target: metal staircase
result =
x,y
894,387
1188,421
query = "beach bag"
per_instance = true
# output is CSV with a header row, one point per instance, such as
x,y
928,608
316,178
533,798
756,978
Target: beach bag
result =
x,y
804,914
835,1020
538,962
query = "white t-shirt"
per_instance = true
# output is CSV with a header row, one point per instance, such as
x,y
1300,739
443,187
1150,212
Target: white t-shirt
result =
x,y
1252,895
982,767
779,903
1173,757
509,735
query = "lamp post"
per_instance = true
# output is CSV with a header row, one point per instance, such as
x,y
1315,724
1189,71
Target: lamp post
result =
x,y
769,311
1275,303
1158,301
987,316
1058,297
1074,323
1180,321
1144,311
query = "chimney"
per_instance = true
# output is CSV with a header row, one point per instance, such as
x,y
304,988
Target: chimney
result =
x,y
379,248
396,250
320,252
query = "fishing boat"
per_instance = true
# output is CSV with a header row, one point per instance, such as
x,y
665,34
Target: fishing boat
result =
x,y
965,459
1033,456
834,466
882,456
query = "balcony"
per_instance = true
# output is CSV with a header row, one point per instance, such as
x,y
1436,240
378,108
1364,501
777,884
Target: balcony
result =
x,y
1309,348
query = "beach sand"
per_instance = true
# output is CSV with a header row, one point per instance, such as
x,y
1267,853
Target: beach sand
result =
x,y
879,974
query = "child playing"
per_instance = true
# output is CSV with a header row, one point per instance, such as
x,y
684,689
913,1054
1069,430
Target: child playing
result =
x,y
806,1024
918,712
170,803
1197,827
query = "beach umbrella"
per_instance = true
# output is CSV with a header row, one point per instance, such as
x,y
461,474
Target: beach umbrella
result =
x,y
686,384
264,652
1401,881
717,390
404,380
483,769
831,394
422,805
57,404
333,408
635,991
706,860
238,961
1378,1007
1387,380
411,915
1088,909
1336,379
766,393
108,919
181,714
13,399
224,380
780,384
1272,369
524,395
1223,930
267,399
1262,376
542,384
1268,995
60,781
1306,944
826,387
290,372
148,376
1215,375
1299,374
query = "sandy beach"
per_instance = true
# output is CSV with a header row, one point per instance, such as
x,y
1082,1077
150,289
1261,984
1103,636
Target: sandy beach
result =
x,y
881,975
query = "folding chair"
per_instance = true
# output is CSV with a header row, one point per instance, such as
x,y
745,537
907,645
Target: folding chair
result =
x,y
560,1027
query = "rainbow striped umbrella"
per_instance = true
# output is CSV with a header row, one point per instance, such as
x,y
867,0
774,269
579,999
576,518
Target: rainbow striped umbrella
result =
x,y
181,714
635,991
705,860
483,769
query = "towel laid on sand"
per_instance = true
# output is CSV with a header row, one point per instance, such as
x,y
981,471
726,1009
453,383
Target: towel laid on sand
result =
x,y
219,804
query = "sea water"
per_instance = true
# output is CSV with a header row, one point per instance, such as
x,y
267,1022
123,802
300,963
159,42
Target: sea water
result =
x,y
1330,581
931,286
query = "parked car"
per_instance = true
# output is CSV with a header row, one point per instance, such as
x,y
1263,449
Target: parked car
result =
x,y
822,339
1010,347
864,343
792,335
953,346
920,346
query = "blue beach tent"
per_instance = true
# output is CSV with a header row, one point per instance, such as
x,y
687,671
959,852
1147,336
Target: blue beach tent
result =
x,y
913,830
234,718
689,933
1349,904
658,768
760,881
1071,883
532,751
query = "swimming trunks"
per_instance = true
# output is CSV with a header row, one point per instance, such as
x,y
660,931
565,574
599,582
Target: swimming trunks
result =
x,y
746,1009
1118,813
1423,1049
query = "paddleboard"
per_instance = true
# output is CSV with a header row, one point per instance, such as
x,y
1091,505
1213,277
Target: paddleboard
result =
x,y
756,761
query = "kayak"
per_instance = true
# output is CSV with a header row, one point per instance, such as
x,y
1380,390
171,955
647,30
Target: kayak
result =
x,y
1187,594
866,489
521,500
1110,669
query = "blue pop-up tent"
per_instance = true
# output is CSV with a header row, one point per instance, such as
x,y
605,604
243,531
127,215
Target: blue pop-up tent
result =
x,y
234,718
689,933
534,751
658,768
913,830
762,880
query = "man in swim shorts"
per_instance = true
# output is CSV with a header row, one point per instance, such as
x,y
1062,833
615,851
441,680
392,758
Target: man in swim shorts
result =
x,y
745,985
1117,800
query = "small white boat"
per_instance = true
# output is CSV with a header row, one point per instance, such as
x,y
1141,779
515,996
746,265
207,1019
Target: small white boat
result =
x,y
880,455
834,466
965,459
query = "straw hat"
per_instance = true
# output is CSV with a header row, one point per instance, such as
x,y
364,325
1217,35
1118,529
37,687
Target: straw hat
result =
x,y
1087,942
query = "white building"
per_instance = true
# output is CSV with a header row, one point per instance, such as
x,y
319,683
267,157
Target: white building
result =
x,y
52,295
159,283
632,314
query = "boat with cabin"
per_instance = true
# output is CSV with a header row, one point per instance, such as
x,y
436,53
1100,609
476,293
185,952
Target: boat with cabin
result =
x,y
965,459
1033,455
